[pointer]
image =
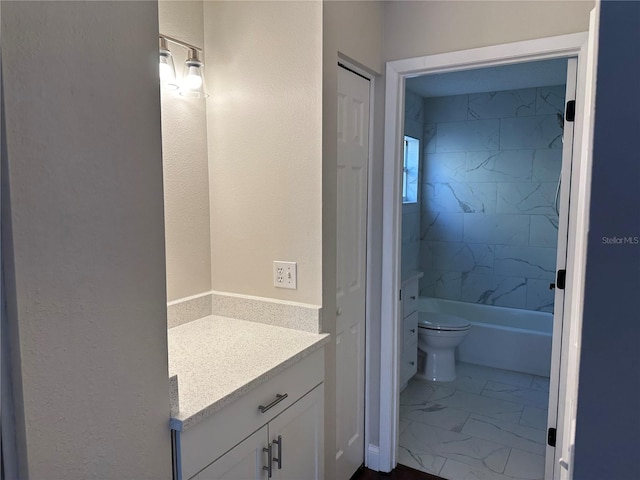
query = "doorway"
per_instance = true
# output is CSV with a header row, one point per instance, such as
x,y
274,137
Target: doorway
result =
x,y
397,72
484,234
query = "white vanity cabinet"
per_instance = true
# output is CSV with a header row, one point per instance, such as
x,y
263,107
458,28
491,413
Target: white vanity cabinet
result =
x,y
291,441
242,462
274,431
409,343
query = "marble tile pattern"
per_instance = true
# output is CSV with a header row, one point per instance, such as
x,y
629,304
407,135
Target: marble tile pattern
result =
x,y
280,313
414,127
488,424
218,359
487,221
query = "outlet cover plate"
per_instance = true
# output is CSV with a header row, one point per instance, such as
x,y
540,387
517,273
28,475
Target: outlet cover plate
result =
x,y
285,275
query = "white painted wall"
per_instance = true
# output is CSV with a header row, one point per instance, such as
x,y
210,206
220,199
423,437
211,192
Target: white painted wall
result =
x,y
185,163
83,239
413,29
264,124
351,30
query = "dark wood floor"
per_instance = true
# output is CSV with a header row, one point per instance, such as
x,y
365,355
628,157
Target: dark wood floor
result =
x,y
400,473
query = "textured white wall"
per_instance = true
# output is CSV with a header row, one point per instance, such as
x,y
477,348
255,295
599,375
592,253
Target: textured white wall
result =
x,y
185,163
413,29
83,239
350,30
264,122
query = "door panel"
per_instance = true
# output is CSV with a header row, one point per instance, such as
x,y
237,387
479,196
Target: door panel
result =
x,y
561,262
352,171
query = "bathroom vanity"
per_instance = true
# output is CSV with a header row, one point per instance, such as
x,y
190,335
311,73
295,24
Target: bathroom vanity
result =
x,y
409,328
250,400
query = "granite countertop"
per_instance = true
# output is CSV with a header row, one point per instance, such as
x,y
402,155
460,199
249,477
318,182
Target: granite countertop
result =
x,y
218,359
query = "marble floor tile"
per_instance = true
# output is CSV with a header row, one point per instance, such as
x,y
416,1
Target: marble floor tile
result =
x,y
479,372
540,383
488,424
534,417
525,465
479,404
454,470
402,425
468,383
477,452
425,462
434,414
510,393
418,389
419,437
512,434
464,448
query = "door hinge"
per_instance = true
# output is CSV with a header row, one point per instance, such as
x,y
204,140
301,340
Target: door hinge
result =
x,y
551,437
570,111
400,295
561,279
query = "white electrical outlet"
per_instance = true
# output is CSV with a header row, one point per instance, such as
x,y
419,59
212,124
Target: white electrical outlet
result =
x,y
285,275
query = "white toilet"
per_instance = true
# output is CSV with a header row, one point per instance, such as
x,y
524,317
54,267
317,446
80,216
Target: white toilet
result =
x,y
438,336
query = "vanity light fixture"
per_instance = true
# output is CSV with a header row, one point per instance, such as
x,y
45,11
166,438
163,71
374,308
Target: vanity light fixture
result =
x,y
167,68
192,84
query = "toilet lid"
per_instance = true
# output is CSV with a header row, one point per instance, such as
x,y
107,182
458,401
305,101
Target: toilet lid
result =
x,y
442,321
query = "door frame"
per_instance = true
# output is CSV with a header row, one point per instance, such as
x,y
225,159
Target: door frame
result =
x,y
572,45
370,305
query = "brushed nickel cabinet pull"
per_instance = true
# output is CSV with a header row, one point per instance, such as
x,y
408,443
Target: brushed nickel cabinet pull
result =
x,y
279,459
278,399
269,451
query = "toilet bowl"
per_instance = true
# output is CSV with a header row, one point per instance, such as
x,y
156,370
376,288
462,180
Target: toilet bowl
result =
x,y
438,336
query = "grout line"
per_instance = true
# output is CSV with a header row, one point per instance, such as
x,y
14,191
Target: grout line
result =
x,y
521,413
507,462
442,467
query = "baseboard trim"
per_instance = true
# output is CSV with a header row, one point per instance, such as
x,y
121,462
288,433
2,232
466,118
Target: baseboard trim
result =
x,y
372,461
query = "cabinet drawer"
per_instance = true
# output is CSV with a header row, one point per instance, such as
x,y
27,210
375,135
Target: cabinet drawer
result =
x,y
206,441
409,298
410,329
409,365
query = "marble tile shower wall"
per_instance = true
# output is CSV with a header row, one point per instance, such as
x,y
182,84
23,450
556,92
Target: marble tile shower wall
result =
x,y
413,126
490,169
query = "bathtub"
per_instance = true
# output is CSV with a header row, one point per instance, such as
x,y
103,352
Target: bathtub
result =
x,y
500,337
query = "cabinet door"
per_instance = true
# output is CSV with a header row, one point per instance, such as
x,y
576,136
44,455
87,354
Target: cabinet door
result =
x,y
409,329
242,462
410,297
409,365
300,431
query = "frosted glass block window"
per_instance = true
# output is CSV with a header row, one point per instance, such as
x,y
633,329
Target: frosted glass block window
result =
x,y
410,170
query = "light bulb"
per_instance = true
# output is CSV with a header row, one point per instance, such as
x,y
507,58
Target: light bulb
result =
x,y
167,69
165,72
193,79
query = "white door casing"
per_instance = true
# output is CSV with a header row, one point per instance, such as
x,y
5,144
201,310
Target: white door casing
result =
x,y
565,46
351,238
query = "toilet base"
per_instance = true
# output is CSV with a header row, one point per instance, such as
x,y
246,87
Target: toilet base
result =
x,y
440,365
